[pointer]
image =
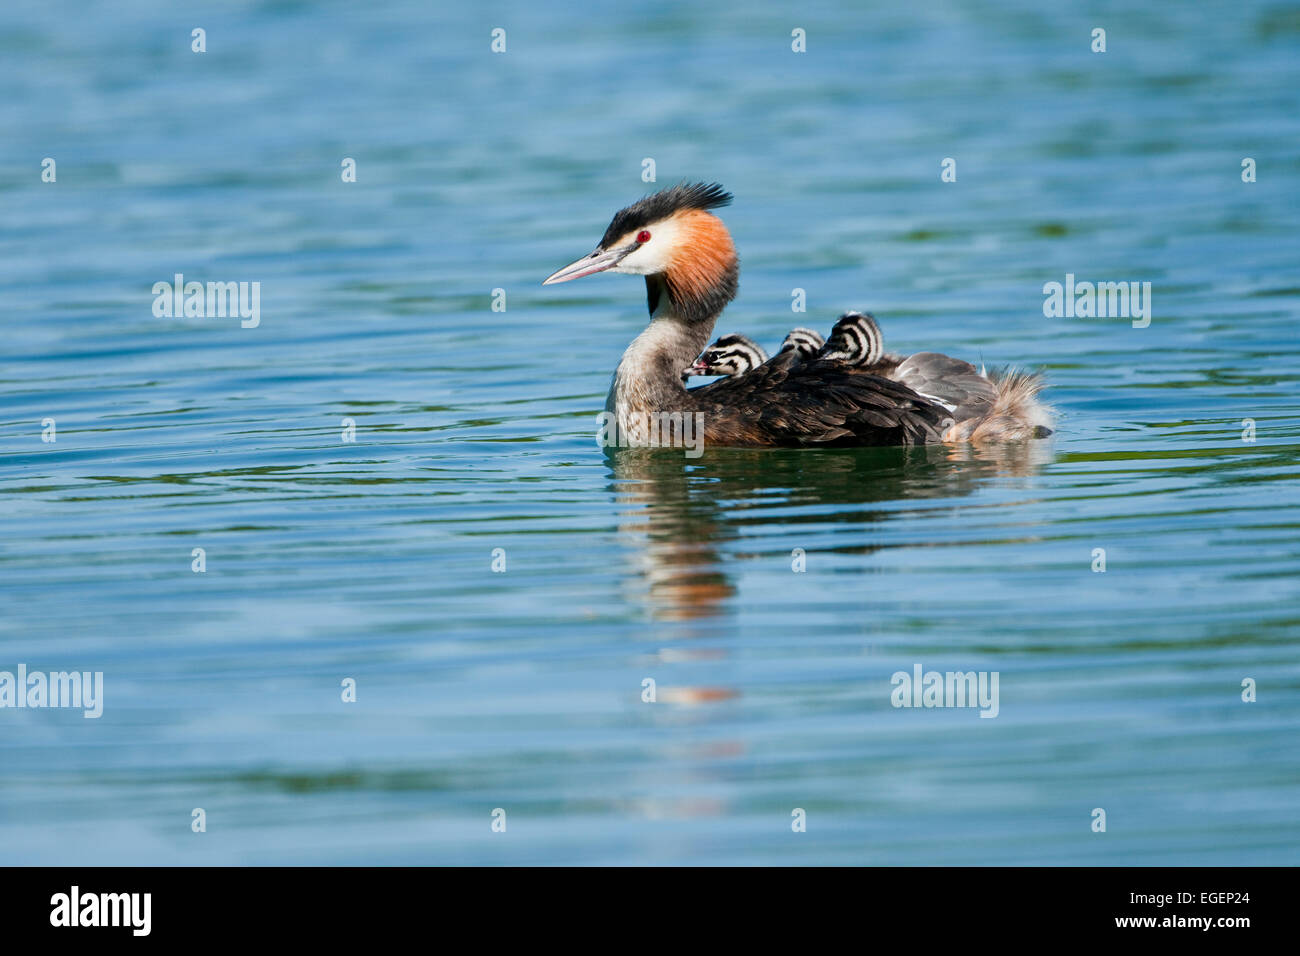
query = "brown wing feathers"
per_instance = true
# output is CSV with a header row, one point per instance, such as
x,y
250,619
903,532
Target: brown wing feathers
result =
x,y
815,403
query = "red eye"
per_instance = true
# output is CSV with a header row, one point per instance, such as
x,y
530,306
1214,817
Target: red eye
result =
x,y
643,236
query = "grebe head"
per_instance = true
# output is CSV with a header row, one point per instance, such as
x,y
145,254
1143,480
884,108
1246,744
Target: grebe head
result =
x,y
804,341
855,340
729,355
673,240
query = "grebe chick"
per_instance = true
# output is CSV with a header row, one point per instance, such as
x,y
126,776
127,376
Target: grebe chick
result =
x,y
691,271
730,355
806,342
855,340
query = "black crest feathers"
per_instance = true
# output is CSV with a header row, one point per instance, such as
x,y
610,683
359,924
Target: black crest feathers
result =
x,y
663,204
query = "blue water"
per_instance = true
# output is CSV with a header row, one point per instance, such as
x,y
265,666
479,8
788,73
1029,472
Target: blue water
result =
x,y
521,690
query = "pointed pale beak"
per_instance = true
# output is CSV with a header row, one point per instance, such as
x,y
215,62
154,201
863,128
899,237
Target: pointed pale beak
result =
x,y
699,368
598,261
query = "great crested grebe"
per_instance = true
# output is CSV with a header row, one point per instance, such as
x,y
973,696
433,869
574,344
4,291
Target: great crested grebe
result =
x,y
855,340
691,272
805,342
737,354
729,355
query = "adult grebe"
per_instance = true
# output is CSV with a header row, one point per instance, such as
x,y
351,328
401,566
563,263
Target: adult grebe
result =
x,y
691,272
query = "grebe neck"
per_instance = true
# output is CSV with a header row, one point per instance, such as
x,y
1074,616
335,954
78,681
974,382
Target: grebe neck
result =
x,y
649,376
